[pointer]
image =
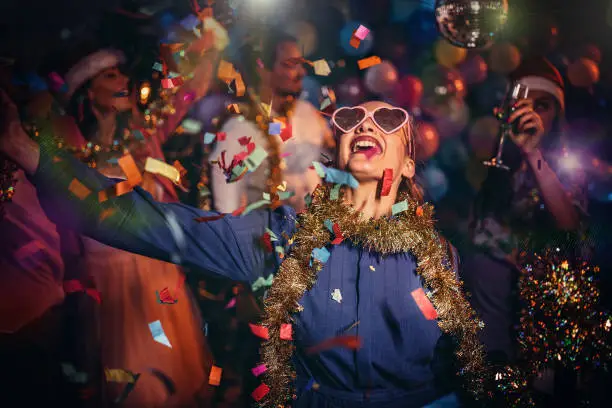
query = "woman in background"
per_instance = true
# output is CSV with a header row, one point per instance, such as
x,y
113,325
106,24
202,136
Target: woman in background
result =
x,y
105,112
527,209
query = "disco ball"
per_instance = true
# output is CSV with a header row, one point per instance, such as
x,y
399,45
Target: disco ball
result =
x,y
471,23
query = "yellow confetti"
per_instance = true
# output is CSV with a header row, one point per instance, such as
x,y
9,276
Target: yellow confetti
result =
x,y
163,169
372,268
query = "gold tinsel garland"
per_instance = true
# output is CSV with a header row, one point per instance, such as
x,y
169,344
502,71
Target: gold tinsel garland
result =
x,y
410,231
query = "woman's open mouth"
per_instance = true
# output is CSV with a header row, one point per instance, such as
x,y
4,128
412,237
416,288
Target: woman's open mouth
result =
x,y
366,145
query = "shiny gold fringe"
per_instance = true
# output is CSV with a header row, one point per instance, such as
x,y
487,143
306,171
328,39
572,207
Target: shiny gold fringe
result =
x,y
411,231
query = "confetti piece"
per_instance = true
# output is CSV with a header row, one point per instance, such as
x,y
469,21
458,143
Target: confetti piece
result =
x,y
75,286
231,303
336,295
254,160
335,192
78,189
209,138
319,168
260,392
286,133
274,129
419,211
164,297
107,212
340,177
266,241
157,66
321,68
361,32
130,169
329,225
163,169
399,207
338,235
259,370
118,375
285,195
259,331
368,62
221,136
355,42
387,181
158,333
321,254
372,268
262,283
226,71
239,85
215,376
167,83
350,342
191,126
190,22
210,218
424,304
286,332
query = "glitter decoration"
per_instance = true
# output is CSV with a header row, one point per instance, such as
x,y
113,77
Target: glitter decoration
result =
x,y
406,232
561,321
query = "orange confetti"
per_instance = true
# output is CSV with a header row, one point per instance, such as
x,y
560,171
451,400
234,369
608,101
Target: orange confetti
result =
x,y
240,86
107,212
56,159
419,211
78,189
215,376
130,169
226,71
368,62
355,42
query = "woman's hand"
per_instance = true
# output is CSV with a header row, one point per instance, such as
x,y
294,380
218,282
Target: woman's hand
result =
x,y
530,126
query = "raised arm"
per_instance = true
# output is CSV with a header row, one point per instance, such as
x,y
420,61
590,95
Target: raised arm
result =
x,y
73,197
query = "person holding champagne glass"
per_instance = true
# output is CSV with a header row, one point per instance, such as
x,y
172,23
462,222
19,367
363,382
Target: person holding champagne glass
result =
x,y
528,202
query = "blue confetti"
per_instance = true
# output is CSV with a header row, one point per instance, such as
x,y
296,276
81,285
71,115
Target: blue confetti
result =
x,y
321,254
274,129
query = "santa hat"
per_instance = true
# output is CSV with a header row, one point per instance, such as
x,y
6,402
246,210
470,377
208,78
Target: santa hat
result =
x,y
90,66
540,75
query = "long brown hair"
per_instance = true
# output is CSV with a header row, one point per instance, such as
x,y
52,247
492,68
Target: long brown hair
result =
x,y
409,185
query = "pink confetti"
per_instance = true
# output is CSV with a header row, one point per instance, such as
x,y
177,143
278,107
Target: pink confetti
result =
x,y
361,32
259,370
286,332
231,303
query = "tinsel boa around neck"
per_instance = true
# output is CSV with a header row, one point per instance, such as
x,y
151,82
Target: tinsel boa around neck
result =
x,y
409,231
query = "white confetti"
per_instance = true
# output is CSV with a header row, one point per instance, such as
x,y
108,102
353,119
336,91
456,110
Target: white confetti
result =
x,y
337,296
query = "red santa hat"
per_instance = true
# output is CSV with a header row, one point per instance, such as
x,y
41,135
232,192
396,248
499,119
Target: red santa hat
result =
x,y
90,66
540,75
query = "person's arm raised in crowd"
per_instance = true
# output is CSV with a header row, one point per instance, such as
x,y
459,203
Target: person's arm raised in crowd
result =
x,y
79,198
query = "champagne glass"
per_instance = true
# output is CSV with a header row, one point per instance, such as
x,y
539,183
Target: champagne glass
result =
x,y
517,92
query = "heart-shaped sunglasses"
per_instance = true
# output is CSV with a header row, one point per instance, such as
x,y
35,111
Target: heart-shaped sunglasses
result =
x,y
389,120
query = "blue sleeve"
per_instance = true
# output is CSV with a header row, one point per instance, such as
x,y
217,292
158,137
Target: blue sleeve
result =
x,y
229,247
